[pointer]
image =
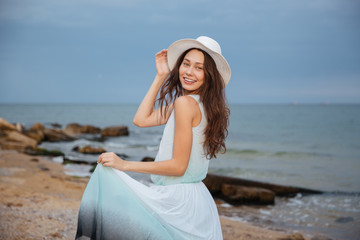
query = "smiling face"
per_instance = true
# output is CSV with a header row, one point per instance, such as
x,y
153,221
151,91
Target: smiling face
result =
x,y
191,71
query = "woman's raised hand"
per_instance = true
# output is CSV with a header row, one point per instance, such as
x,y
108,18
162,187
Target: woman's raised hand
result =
x,y
162,66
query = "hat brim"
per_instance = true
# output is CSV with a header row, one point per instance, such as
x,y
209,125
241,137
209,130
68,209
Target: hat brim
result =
x,y
177,48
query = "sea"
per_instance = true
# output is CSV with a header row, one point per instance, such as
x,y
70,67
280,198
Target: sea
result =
x,y
315,146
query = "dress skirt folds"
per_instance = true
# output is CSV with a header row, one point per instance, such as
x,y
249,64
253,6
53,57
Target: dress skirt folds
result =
x,y
116,206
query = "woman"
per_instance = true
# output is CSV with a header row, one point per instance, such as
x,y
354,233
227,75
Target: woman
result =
x,y
191,76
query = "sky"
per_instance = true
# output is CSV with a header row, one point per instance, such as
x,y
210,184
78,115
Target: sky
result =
x,y
102,51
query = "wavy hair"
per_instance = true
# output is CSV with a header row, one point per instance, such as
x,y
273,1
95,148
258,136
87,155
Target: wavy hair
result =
x,y
212,95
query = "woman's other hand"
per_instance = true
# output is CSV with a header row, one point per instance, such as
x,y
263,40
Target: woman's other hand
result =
x,y
110,159
162,66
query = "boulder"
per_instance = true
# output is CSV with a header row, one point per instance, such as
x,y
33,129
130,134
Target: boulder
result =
x,y
90,129
114,131
38,126
35,134
74,129
56,135
15,136
214,182
10,145
295,236
91,150
5,125
19,127
236,195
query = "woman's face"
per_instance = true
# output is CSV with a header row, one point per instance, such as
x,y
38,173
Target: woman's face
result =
x,y
191,71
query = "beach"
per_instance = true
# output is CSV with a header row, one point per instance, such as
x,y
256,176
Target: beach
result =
x,y
308,146
39,201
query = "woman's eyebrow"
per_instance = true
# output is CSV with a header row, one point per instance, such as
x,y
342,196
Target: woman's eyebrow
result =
x,y
185,59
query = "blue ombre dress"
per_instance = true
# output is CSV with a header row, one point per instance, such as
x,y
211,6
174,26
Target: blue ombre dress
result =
x,y
116,206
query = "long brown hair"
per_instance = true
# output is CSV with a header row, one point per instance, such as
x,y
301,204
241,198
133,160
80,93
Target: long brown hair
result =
x,y
212,95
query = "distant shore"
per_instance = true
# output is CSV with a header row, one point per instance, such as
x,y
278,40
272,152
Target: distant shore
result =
x,y
39,201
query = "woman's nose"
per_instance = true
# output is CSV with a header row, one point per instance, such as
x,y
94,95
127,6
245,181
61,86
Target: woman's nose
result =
x,y
189,70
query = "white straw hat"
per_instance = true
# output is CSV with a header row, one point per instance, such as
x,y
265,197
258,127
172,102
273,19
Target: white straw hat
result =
x,y
207,44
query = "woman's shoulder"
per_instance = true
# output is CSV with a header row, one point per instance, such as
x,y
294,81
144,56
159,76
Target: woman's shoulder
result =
x,y
186,101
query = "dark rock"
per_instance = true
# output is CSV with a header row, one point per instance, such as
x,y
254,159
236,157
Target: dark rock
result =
x,y
296,236
73,161
90,129
148,159
236,195
320,237
344,219
75,149
37,135
43,152
56,135
114,131
214,183
91,150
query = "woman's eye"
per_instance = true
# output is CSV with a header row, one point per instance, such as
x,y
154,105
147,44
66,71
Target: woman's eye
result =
x,y
199,68
185,64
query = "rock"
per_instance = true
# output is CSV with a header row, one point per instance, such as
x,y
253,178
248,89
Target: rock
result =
x,y
73,161
38,126
344,219
74,129
5,125
90,129
236,195
56,125
320,237
35,134
91,150
296,236
147,159
43,152
9,145
56,135
214,182
115,131
15,136
19,127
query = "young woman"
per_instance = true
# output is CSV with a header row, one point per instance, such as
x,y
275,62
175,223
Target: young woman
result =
x,y
191,77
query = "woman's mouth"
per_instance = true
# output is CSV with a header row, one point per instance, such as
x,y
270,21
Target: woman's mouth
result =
x,y
189,81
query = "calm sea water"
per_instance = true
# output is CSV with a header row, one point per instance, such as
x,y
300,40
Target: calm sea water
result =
x,y
312,146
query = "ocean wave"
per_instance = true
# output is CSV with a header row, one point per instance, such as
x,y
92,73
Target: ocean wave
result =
x,y
278,154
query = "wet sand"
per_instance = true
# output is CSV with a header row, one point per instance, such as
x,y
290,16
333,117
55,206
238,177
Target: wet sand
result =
x,y
39,201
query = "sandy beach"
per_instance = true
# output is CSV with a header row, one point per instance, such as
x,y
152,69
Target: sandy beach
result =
x,y
39,201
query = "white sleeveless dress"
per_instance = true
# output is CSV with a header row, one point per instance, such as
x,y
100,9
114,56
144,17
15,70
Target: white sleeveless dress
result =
x,y
116,206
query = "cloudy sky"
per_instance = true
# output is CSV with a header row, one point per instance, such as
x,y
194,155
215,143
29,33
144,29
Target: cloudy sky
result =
x,y
102,51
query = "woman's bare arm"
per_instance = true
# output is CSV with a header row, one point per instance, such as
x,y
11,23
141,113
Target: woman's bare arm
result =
x,y
185,112
146,116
